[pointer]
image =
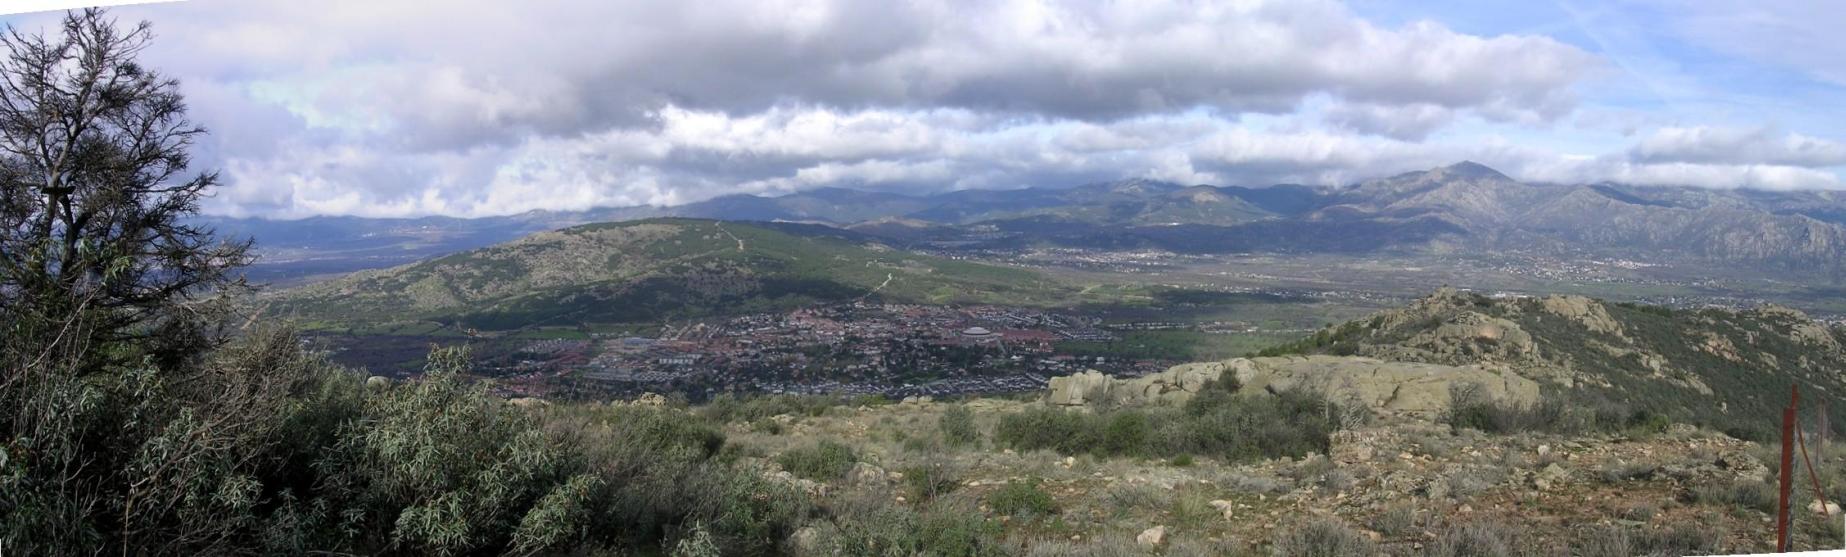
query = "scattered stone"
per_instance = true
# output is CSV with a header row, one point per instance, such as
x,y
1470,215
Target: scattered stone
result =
x,y
1828,508
805,540
1226,507
1552,477
1152,537
866,473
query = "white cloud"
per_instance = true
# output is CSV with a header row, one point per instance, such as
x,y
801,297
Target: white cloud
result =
x,y
1746,146
1412,122
479,107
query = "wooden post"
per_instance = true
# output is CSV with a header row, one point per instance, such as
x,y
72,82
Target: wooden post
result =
x,y
1786,473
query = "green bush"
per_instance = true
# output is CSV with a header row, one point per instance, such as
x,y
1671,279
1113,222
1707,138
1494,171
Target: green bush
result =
x,y
957,425
288,454
877,528
1048,428
1218,421
931,479
727,408
823,461
1022,498
1125,432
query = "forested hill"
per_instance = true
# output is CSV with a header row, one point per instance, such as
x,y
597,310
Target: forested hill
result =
x,y
642,271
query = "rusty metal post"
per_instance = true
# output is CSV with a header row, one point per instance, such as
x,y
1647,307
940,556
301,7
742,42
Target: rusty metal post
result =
x,y
1786,473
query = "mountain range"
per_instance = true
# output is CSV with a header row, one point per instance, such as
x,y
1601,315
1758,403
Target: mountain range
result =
x,y
1462,206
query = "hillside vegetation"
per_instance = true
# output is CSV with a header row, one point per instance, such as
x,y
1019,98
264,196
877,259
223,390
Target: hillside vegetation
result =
x,y
650,270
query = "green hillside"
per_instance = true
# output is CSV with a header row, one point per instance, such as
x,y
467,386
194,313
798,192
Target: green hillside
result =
x,y
649,270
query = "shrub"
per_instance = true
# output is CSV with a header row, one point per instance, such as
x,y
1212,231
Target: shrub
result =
x,y
1125,433
1614,541
823,461
1479,539
1471,408
1216,422
932,479
1324,537
957,425
1746,494
1125,498
1396,521
881,529
727,408
1022,498
1047,428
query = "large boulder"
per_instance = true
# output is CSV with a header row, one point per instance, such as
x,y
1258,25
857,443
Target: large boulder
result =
x,y
1079,389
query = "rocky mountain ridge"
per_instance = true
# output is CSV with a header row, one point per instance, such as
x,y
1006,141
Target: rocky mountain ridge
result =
x,y
1724,369
1466,205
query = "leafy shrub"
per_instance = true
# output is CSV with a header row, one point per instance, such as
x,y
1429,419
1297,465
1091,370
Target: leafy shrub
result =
x,y
728,408
1022,498
823,461
1048,428
1217,421
1125,433
931,479
957,425
878,528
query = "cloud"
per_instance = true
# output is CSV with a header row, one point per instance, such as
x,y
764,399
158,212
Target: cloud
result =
x,y
1715,176
1412,122
1747,146
480,107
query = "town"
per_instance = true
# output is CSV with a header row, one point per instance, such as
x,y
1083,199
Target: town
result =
x,y
894,350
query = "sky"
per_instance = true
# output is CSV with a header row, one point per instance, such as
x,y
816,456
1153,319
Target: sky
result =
x,y
395,108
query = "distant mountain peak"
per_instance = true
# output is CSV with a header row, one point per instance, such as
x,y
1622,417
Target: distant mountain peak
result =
x,y
1471,169
1141,186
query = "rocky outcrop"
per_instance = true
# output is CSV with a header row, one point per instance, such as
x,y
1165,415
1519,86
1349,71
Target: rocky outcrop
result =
x,y
1584,311
1402,388
1171,387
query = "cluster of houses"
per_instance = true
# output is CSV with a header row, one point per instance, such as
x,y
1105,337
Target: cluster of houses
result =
x,y
854,348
